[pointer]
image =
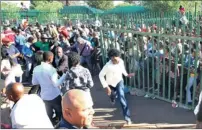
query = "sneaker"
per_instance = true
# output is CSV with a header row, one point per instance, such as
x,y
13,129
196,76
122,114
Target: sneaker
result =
x,y
189,103
112,102
128,122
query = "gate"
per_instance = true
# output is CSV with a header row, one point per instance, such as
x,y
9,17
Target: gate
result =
x,y
164,53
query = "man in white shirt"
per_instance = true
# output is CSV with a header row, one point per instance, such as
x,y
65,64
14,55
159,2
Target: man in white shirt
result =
x,y
28,110
46,76
114,84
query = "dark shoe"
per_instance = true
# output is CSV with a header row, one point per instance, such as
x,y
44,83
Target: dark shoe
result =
x,y
113,102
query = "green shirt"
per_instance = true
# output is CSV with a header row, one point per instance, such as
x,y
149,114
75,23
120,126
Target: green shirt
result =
x,y
43,46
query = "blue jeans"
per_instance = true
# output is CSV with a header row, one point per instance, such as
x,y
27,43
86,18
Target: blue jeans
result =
x,y
188,87
28,66
87,60
119,91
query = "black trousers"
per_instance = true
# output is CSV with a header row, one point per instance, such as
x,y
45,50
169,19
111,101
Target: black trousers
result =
x,y
55,105
36,89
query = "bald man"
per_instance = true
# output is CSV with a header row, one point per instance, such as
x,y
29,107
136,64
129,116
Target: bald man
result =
x,y
77,110
28,111
60,61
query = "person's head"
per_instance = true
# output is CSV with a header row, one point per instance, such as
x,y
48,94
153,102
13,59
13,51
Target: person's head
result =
x,y
114,56
30,40
48,57
59,52
73,59
95,34
22,3
44,38
39,57
77,108
6,41
17,31
80,40
14,91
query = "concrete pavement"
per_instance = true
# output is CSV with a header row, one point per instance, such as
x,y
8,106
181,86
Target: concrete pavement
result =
x,y
145,112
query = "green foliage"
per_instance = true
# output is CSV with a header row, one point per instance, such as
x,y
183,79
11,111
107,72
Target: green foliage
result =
x,y
170,6
9,10
129,1
103,5
124,4
48,6
11,7
48,10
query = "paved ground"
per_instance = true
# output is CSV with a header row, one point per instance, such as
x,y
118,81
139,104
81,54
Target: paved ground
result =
x,y
143,110
146,113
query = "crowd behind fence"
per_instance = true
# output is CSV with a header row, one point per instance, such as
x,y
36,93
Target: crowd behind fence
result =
x,y
165,54
163,51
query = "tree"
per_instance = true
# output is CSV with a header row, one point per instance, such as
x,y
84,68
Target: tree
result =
x,y
170,6
129,1
47,6
11,7
48,10
9,10
103,5
125,4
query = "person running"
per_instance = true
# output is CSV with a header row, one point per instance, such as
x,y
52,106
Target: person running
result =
x,y
114,84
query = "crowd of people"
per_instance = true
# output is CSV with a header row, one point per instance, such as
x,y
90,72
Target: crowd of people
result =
x,y
168,57
59,62
51,59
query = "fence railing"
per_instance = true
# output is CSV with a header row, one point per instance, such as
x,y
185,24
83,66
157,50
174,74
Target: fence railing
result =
x,y
42,17
165,55
163,51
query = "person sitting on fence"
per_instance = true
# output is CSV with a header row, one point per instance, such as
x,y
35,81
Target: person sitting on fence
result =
x,y
183,18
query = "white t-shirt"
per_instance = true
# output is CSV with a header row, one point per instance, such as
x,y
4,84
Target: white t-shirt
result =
x,y
113,73
30,112
16,71
5,63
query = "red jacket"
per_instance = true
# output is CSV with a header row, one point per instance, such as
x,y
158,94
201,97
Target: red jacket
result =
x,y
10,35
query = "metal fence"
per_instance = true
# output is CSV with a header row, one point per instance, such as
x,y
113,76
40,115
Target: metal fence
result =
x,y
165,54
44,17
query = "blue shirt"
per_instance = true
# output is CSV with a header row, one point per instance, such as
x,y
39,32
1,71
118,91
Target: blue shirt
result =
x,y
66,125
188,59
20,42
27,51
12,50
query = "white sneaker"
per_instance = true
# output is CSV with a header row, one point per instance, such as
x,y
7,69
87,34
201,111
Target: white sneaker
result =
x,y
128,122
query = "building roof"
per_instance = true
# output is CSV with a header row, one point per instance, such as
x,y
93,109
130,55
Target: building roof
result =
x,y
79,10
126,9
